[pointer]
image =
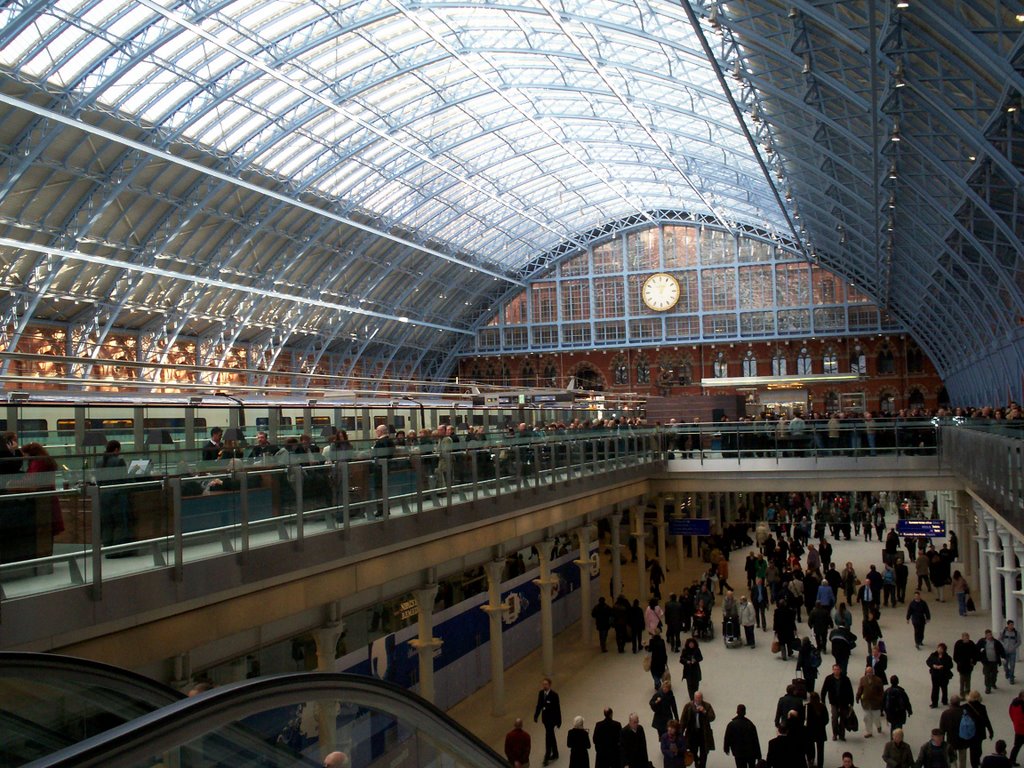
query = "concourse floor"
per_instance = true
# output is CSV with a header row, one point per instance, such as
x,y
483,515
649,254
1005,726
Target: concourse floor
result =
x,y
588,681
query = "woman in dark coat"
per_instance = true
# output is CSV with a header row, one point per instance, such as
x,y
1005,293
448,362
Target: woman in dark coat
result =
x,y
659,657
663,704
817,720
805,659
578,742
690,658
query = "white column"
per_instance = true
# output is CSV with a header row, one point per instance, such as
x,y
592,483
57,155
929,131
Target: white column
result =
x,y
425,644
495,609
641,553
677,514
326,639
547,627
584,564
659,531
965,531
981,539
616,518
994,552
1008,570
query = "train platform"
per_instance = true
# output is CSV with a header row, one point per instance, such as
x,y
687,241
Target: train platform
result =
x,y
588,681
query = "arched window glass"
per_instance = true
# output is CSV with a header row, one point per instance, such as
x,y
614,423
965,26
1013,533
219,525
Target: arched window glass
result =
x,y
832,402
528,375
779,364
803,363
916,399
721,366
858,361
550,375
830,361
620,371
749,364
887,403
643,371
885,361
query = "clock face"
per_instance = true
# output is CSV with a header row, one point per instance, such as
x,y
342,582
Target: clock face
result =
x,y
660,292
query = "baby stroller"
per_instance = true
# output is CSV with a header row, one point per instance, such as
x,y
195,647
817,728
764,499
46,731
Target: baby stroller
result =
x,y
731,632
702,627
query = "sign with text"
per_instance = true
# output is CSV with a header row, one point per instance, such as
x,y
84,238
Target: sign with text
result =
x,y
922,529
686,527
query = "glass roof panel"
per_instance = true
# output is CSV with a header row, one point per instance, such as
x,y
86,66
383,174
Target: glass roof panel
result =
x,y
544,118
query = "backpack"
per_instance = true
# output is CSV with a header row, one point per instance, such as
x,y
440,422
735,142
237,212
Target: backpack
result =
x,y
814,659
967,728
896,705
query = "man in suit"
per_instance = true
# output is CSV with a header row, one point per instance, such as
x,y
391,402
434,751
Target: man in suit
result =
x,y
606,741
549,712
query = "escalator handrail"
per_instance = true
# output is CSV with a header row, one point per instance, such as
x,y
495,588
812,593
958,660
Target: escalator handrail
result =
x,y
60,669
190,718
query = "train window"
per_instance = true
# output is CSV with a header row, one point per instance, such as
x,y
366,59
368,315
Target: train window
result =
x,y
318,421
28,427
442,419
178,423
478,419
399,422
348,423
67,426
379,420
493,420
263,422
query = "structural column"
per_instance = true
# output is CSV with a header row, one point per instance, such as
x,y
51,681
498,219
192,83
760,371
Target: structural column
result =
x,y
994,552
547,628
326,639
425,644
659,531
981,539
616,518
677,514
641,552
495,610
968,553
1008,571
586,601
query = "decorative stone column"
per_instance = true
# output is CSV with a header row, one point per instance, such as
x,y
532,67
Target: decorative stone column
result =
x,y
584,563
677,514
1008,571
981,540
326,639
547,628
495,609
659,531
994,552
616,518
641,552
425,644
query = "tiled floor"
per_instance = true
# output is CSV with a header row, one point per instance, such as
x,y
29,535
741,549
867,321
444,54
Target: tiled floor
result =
x,y
588,681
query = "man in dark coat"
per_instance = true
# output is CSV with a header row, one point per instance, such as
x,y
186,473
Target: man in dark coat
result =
x,y
784,624
741,739
784,752
606,741
602,616
918,614
549,711
633,744
837,692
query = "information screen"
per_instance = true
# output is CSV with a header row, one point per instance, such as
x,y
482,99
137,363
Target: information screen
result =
x,y
689,527
922,529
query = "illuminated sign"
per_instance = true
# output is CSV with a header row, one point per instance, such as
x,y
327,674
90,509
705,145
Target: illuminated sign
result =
x,y
922,529
685,527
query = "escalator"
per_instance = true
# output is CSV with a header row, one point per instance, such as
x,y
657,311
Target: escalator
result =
x,y
270,722
49,702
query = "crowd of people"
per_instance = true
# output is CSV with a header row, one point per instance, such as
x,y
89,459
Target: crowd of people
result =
x,y
806,601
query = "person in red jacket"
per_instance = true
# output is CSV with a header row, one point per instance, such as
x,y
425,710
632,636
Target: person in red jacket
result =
x,y
1017,718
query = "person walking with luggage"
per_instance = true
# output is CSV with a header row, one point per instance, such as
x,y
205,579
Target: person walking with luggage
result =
x,y
837,692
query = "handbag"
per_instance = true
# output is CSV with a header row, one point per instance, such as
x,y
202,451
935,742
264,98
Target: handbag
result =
x,y
775,646
688,758
852,723
970,604
647,662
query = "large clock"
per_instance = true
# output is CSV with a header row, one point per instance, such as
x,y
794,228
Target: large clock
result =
x,y
660,292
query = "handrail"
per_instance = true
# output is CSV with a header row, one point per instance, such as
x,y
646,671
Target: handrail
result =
x,y
220,712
